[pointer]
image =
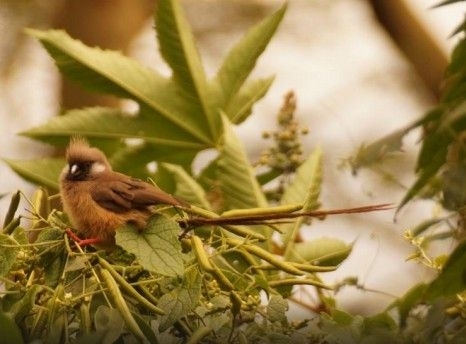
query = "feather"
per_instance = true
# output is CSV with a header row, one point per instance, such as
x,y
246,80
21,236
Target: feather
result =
x,y
118,192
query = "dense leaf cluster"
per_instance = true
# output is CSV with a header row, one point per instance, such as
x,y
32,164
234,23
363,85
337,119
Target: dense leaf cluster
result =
x,y
180,283
225,283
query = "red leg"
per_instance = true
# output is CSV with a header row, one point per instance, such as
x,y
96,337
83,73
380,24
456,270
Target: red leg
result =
x,y
82,242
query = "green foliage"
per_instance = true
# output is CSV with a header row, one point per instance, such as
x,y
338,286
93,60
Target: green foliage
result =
x,y
451,279
309,173
434,312
236,178
205,285
185,126
10,331
182,281
157,246
41,172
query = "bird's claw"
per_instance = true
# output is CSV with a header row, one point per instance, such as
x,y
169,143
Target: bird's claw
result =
x,y
79,241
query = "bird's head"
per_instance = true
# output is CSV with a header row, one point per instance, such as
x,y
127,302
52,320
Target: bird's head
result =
x,y
84,162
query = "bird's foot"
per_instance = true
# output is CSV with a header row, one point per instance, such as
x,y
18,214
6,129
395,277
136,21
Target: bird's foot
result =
x,y
82,242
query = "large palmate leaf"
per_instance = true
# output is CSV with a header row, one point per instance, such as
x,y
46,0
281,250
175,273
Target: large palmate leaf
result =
x,y
177,47
133,159
43,172
305,190
236,177
108,123
111,72
187,187
177,116
240,107
243,57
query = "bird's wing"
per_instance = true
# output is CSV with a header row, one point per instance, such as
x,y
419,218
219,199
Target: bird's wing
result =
x,y
147,194
112,195
122,193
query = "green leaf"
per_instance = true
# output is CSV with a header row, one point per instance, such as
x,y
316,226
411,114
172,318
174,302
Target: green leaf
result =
x,y
304,189
452,277
378,322
108,123
12,208
433,142
110,322
240,107
19,234
408,301
454,80
238,183
52,254
424,178
445,125
43,172
277,308
8,252
146,328
53,270
22,308
181,300
377,151
111,72
157,247
97,70
133,160
380,328
187,188
11,333
242,58
321,251
177,47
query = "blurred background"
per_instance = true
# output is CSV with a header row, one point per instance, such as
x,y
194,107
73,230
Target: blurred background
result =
x,y
360,70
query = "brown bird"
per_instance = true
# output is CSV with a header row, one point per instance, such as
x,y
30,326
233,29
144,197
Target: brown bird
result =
x,y
99,200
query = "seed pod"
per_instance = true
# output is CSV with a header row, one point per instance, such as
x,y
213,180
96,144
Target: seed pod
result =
x,y
199,334
206,265
41,205
267,256
288,208
38,325
121,305
222,280
14,203
129,288
53,305
86,323
201,255
296,281
12,225
244,232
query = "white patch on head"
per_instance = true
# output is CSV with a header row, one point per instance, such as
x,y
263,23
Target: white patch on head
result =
x,y
98,167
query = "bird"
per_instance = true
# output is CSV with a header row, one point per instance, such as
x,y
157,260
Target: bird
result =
x,y
99,200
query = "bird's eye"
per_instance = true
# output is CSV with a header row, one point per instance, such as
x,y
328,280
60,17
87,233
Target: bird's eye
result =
x,y
74,168
78,170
